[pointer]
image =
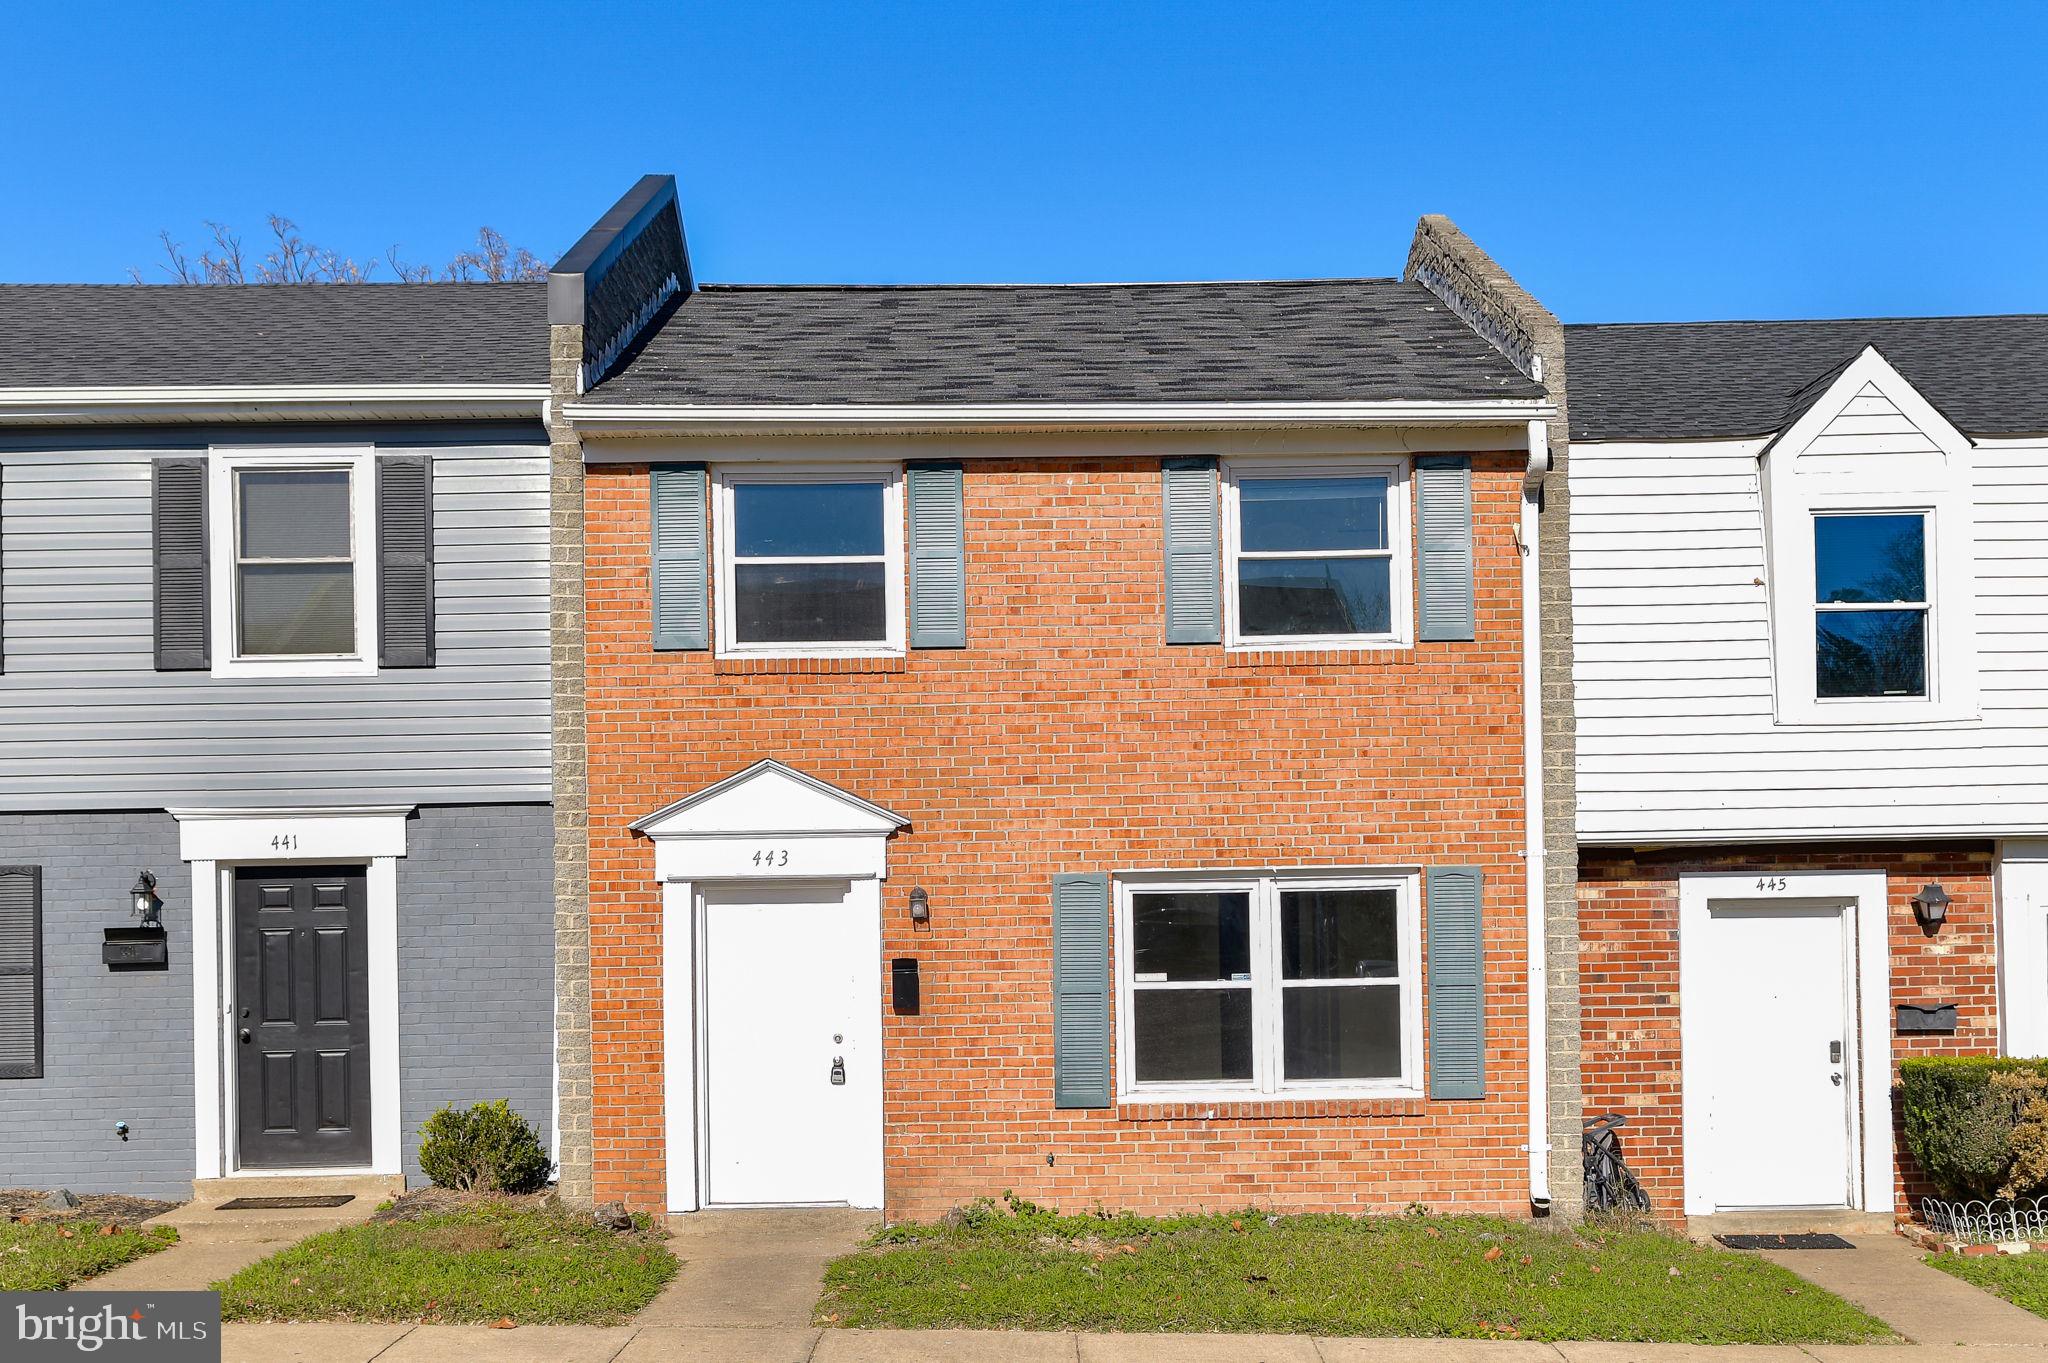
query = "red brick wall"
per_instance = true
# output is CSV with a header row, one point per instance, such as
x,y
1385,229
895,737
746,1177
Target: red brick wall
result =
x,y
1628,976
1069,737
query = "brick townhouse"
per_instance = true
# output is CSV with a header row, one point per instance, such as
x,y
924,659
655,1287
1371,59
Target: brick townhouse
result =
x,y
1068,739
1808,573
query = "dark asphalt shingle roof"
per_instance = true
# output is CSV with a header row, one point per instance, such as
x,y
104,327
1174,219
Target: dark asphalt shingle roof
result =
x,y
166,335
1272,341
1698,380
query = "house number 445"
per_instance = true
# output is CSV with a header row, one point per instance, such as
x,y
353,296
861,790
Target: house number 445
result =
x,y
1771,883
772,856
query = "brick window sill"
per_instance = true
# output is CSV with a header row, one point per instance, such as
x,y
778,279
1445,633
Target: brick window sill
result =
x,y
810,666
1319,657
1272,1109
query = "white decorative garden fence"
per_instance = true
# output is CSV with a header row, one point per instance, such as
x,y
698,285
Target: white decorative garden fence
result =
x,y
1987,1223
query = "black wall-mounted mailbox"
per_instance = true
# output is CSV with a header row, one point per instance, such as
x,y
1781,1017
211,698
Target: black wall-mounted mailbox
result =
x,y
903,984
1927,1017
136,949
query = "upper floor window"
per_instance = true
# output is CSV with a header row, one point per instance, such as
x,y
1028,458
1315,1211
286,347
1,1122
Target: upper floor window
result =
x,y
1316,554
295,589
1268,985
812,562
1871,605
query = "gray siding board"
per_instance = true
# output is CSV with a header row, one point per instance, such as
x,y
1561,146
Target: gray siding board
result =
x,y
75,608
118,1047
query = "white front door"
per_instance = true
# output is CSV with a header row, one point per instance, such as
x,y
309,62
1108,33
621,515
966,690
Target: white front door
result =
x,y
790,1073
1779,1056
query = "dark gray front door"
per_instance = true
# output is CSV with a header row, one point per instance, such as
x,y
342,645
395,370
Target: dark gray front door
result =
x,y
302,1016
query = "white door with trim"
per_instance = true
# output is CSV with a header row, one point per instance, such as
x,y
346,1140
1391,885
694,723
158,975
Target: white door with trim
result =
x,y
790,1067
1780,1055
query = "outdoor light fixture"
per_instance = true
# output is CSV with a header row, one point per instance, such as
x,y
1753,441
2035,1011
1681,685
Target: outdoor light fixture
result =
x,y
146,905
920,906
1930,906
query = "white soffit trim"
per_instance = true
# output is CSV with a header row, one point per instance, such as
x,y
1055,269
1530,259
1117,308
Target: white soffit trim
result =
x,y
885,418
279,835
269,402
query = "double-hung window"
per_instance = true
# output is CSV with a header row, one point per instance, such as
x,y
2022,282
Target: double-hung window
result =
x,y
811,562
1317,553
1246,987
1871,606
294,582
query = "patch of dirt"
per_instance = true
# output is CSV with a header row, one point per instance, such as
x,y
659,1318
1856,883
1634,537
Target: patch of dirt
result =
x,y
433,1201
118,1209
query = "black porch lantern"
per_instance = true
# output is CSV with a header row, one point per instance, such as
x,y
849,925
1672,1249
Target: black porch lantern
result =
x,y
144,903
1930,906
920,906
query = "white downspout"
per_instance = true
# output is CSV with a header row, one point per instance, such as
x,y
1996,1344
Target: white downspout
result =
x,y
1532,796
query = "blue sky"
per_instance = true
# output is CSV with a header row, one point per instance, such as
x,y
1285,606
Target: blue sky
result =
x,y
1625,162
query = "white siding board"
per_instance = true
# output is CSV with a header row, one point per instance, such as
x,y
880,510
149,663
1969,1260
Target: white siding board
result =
x,y
1677,731
87,722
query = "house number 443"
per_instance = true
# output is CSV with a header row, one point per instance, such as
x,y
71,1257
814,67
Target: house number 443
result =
x,y
772,856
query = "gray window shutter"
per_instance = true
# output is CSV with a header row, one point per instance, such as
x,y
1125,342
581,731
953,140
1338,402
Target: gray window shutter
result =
x,y
1080,991
681,578
178,525
405,560
1194,568
1456,984
1443,497
21,972
938,556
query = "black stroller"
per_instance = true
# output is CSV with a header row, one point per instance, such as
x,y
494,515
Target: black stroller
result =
x,y
1611,1185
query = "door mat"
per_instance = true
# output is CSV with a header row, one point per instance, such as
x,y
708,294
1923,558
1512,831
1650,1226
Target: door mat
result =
x,y
282,1204
1811,1240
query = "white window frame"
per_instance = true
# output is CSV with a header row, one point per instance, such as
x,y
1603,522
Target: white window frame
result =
x,y
224,532
1268,1048
1930,636
725,478
1400,552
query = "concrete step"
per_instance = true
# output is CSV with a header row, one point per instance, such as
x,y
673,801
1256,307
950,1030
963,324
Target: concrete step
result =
x,y
208,1195
1795,1221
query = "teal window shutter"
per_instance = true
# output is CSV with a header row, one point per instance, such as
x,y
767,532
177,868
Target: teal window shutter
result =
x,y
938,556
1080,991
1194,576
1456,984
1443,498
681,579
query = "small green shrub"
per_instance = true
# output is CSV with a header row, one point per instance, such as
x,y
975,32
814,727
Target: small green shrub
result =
x,y
489,1148
1960,1119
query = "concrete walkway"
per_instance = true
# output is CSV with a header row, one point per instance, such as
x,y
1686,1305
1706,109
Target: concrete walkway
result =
x,y
213,1244
768,1344
1886,1276
748,1269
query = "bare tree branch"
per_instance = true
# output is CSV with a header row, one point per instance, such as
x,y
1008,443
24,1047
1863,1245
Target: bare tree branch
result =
x,y
294,260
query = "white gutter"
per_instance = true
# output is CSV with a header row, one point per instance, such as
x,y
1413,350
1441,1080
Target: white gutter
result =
x,y
882,418
1532,804
269,402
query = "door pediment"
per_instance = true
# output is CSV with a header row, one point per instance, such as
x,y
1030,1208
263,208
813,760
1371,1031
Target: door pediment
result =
x,y
770,820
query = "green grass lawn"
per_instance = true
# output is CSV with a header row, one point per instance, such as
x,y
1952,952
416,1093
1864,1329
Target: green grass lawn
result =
x,y
2021,1279
43,1256
469,1265
1025,1268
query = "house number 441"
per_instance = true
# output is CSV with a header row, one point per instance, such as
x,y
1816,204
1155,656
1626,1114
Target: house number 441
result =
x,y
285,842
772,856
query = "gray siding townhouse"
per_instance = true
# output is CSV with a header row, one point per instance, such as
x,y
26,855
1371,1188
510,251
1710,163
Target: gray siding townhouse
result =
x,y
274,672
